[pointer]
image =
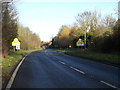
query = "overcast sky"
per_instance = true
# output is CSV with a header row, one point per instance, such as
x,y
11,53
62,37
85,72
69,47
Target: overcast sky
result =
x,y
45,17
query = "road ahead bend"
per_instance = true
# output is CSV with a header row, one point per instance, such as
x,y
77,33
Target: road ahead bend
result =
x,y
50,69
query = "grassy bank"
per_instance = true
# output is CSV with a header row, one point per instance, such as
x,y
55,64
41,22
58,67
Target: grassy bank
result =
x,y
9,63
108,58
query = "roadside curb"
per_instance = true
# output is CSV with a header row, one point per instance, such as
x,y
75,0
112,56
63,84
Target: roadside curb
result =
x,y
10,82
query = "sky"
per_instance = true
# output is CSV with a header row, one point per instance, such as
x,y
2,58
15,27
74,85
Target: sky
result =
x,y
45,17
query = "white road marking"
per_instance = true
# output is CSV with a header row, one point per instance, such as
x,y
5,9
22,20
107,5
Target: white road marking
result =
x,y
108,84
73,68
62,62
78,70
14,74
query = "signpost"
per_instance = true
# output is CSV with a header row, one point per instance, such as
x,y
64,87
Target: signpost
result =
x,y
16,44
79,43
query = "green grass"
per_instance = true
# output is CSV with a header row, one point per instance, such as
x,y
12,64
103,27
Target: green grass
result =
x,y
9,63
108,58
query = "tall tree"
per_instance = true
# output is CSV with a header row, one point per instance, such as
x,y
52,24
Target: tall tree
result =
x,y
9,26
109,21
63,36
28,39
88,22
83,20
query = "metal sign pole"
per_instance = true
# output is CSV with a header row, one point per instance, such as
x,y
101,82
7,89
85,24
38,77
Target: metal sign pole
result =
x,y
13,48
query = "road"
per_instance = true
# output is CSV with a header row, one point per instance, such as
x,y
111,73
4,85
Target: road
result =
x,y
50,69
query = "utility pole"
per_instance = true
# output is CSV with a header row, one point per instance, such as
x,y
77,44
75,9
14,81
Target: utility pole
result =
x,y
0,45
85,39
119,10
2,4
85,31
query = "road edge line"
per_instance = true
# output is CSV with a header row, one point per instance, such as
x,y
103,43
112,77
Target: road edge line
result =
x,y
14,74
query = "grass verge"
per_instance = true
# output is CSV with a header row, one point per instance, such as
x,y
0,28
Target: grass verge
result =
x,y
9,64
107,58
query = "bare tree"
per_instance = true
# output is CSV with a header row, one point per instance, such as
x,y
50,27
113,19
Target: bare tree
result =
x,y
28,39
109,21
83,20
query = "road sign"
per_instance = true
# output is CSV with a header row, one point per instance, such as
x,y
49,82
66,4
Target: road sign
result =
x,y
80,43
15,42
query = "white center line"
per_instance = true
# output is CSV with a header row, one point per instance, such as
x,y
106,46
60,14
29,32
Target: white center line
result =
x,y
108,84
78,70
62,62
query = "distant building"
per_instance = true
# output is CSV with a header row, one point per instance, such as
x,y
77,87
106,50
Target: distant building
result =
x,y
46,44
119,10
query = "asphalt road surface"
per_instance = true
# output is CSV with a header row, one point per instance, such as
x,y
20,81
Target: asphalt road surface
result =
x,y
50,69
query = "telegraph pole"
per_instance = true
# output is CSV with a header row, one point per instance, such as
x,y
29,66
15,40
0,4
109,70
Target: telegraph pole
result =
x,y
119,10
0,45
3,5
118,15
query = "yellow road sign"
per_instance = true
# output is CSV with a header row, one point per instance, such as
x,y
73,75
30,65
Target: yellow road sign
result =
x,y
80,43
15,42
